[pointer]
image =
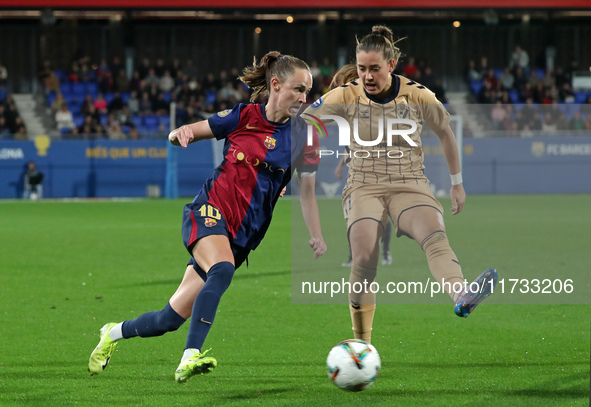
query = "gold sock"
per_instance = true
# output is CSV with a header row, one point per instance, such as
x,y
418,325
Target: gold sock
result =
x,y
362,302
443,262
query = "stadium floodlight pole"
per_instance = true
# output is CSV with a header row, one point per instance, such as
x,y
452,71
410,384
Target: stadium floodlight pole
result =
x,y
171,188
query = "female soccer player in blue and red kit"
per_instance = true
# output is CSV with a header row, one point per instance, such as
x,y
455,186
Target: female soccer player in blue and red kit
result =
x,y
264,144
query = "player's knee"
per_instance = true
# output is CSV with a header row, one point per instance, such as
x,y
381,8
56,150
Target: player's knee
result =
x,y
363,273
222,273
169,320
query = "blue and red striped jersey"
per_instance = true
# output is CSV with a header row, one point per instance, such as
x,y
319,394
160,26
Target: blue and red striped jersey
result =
x,y
259,159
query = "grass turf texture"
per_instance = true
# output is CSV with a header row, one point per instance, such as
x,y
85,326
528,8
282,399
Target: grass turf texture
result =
x,y
68,268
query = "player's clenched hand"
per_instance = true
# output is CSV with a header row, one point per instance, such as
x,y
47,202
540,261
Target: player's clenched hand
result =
x,y
183,135
458,198
282,192
318,245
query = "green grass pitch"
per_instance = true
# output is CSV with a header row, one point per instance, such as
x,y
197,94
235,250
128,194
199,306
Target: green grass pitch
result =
x,y
69,267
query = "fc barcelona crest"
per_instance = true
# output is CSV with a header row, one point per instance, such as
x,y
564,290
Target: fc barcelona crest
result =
x,y
270,142
209,222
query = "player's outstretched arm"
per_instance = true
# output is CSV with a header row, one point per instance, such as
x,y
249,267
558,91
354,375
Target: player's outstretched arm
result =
x,y
190,133
310,213
452,156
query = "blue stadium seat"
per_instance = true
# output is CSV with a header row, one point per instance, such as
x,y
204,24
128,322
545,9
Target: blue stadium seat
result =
x,y
108,97
78,119
104,120
210,97
498,73
61,75
50,98
475,85
125,129
166,96
514,96
540,72
92,88
73,106
78,88
165,121
66,89
125,97
151,122
518,106
580,97
2,95
137,121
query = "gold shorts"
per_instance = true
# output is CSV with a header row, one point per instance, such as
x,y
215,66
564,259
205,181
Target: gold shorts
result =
x,y
383,200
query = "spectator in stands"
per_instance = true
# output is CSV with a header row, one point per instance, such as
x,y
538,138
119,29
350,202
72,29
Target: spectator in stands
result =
x,y
33,180
588,102
160,106
64,119
145,104
439,91
159,68
116,103
101,104
122,83
539,94
486,94
133,103
3,77
94,116
472,74
175,67
166,82
507,79
410,69
86,105
530,115
483,68
505,98
115,66
548,80
561,78
5,132
588,122
57,103
566,93
428,79
549,125
534,79
327,68
190,70
44,71
144,68
519,58
520,80
86,131
491,78
135,82
151,78
21,132
115,133
315,70
498,115
106,82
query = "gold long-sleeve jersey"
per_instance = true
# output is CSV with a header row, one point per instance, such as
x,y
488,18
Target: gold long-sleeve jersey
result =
x,y
394,160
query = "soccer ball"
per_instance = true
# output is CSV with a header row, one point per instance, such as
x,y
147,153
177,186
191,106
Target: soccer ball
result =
x,y
353,365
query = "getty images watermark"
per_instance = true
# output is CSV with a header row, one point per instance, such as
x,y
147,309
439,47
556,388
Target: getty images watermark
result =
x,y
345,135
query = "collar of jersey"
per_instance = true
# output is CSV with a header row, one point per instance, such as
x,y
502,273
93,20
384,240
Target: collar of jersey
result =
x,y
262,107
392,96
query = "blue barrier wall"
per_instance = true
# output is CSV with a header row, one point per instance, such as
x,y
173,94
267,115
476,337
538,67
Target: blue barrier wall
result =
x,y
125,168
549,164
101,168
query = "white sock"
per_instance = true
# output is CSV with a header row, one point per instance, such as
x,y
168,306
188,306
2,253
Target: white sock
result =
x,y
115,333
188,353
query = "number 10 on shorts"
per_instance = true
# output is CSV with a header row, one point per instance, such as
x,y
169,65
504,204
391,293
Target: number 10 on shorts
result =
x,y
210,212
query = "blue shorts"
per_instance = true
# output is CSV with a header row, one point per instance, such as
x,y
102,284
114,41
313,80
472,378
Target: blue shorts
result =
x,y
201,219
